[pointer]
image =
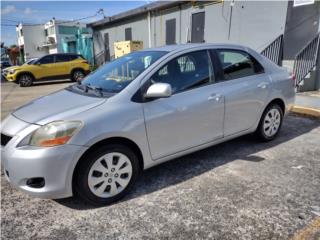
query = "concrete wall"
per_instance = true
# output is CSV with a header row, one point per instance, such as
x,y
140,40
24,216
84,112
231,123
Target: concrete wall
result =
x,y
34,36
257,23
253,23
302,26
116,32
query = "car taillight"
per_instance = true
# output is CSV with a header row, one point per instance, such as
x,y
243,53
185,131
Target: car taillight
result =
x,y
85,62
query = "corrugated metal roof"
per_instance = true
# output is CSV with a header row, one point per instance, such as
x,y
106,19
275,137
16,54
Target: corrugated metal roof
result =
x,y
159,5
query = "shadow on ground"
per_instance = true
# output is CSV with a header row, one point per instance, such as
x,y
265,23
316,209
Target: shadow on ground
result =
x,y
41,83
192,165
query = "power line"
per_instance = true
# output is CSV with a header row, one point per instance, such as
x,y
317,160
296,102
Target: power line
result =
x,y
99,12
9,20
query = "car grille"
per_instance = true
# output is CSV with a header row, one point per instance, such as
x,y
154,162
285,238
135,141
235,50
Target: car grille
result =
x,y
5,139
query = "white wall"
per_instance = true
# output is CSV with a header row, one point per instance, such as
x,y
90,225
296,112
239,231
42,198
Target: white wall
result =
x,y
34,36
254,23
117,33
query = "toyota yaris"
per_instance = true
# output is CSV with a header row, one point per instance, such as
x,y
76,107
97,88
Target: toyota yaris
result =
x,y
93,138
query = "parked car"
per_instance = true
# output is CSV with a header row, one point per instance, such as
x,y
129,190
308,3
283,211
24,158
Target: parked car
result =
x,y
49,67
31,61
93,138
4,64
13,68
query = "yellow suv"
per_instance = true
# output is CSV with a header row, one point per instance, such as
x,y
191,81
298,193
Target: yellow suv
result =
x,y
52,66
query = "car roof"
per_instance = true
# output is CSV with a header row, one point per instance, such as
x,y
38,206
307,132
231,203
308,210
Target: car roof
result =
x,y
66,54
180,47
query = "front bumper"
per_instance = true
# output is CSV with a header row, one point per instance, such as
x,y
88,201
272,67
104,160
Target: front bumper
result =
x,y
54,164
10,77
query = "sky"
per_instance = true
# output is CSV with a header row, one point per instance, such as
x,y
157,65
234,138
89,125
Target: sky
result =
x,y
13,12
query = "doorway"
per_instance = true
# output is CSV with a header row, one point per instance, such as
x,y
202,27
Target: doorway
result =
x,y
106,48
197,29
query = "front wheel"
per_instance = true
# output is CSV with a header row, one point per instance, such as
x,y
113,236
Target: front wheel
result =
x,y
270,123
106,175
77,75
25,80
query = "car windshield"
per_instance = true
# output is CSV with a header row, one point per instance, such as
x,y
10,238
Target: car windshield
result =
x,y
32,61
116,75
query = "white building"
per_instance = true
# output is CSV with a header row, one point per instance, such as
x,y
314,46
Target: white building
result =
x,y
38,40
30,37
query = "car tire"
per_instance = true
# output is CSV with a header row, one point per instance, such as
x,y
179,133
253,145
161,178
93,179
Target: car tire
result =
x,y
270,123
77,75
25,80
106,174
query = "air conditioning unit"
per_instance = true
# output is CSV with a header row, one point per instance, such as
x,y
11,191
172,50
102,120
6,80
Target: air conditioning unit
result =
x,y
51,40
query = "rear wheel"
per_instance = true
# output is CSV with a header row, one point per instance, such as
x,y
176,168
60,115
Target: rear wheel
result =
x,y
270,123
25,80
106,175
77,75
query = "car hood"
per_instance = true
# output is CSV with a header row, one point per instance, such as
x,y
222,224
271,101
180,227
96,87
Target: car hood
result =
x,y
12,68
59,105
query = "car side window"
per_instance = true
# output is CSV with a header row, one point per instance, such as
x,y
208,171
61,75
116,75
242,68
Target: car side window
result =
x,y
238,64
185,72
47,59
73,57
62,58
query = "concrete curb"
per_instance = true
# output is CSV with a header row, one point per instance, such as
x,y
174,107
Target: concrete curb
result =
x,y
314,112
311,231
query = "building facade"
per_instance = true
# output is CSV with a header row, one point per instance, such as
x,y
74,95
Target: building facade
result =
x,y
54,37
255,24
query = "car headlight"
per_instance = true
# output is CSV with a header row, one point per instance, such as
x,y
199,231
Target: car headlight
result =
x,y
11,71
54,133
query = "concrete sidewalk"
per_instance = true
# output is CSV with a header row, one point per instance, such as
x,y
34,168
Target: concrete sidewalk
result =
x,y
308,103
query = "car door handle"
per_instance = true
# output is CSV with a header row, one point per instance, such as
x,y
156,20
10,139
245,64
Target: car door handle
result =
x,y
215,97
263,85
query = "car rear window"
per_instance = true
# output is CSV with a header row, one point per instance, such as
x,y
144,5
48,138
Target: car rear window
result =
x,y
73,57
62,58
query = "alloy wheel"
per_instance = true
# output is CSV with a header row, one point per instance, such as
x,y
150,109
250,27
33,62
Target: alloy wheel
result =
x,y
25,80
110,175
78,75
271,122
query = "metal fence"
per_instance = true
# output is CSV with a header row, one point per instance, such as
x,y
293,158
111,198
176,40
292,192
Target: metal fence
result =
x,y
306,60
274,51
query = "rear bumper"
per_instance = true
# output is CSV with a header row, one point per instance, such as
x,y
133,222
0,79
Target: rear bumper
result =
x,y
290,102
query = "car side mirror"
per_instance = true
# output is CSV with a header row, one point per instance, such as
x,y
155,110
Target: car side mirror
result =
x,y
159,90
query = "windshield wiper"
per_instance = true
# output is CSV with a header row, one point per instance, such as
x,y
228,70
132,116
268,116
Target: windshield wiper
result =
x,y
98,90
86,87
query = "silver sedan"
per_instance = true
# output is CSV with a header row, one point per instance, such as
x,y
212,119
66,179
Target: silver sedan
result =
x,y
95,137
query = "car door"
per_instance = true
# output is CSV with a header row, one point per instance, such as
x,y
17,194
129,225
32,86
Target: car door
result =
x,y
245,86
44,67
62,64
193,115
